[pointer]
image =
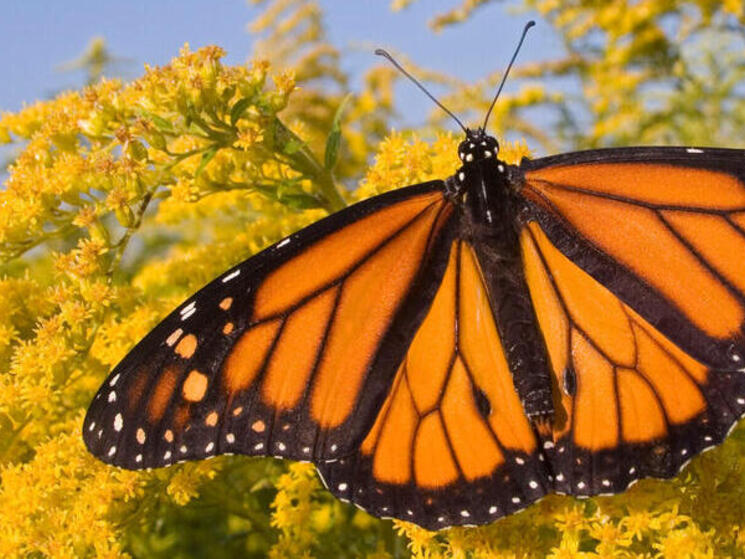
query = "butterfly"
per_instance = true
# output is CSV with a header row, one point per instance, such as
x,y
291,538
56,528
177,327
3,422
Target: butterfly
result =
x,y
450,352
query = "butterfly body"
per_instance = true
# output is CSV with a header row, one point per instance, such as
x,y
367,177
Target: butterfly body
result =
x,y
491,215
450,352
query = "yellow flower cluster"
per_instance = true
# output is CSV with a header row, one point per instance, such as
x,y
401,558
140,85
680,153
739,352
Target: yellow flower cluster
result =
x,y
650,71
193,163
99,166
58,503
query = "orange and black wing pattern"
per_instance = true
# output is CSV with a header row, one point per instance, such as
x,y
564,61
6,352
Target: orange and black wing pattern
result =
x,y
451,444
663,228
450,352
290,353
632,270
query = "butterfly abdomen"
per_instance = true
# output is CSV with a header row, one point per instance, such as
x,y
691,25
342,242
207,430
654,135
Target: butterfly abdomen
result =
x,y
489,222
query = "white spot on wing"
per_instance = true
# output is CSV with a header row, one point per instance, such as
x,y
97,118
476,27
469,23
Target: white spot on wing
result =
x,y
209,447
112,396
231,275
230,437
342,487
283,242
118,422
188,313
112,451
92,426
188,308
492,510
465,513
113,380
694,150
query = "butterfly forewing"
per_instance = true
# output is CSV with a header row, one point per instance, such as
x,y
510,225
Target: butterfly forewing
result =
x,y
272,357
662,228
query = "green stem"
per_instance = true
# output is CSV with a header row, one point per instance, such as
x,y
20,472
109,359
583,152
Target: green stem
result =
x,y
304,161
222,138
124,241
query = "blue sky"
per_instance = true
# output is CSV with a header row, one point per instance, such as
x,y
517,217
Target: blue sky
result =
x,y
38,35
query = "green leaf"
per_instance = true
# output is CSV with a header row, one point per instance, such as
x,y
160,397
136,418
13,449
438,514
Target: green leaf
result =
x,y
292,147
159,121
206,158
291,194
301,201
333,141
236,112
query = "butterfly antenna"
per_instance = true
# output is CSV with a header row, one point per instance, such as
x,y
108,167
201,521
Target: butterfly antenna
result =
x,y
528,25
385,54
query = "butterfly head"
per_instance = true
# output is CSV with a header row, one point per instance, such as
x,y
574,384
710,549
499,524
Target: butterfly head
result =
x,y
477,146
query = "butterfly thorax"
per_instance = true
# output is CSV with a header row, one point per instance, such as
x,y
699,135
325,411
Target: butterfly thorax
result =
x,y
482,183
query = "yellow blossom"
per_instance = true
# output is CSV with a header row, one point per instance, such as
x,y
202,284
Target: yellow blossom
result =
x,y
126,197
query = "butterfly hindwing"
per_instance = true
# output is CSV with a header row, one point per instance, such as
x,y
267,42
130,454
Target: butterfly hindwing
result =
x,y
661,228
273,356
629,403
451,444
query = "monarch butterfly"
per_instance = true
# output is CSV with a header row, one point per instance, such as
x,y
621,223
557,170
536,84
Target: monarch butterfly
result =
x,y
450,352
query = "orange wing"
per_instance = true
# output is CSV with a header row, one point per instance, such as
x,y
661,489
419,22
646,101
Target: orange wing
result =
x,y
272,357
629,402
660,227
451,444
